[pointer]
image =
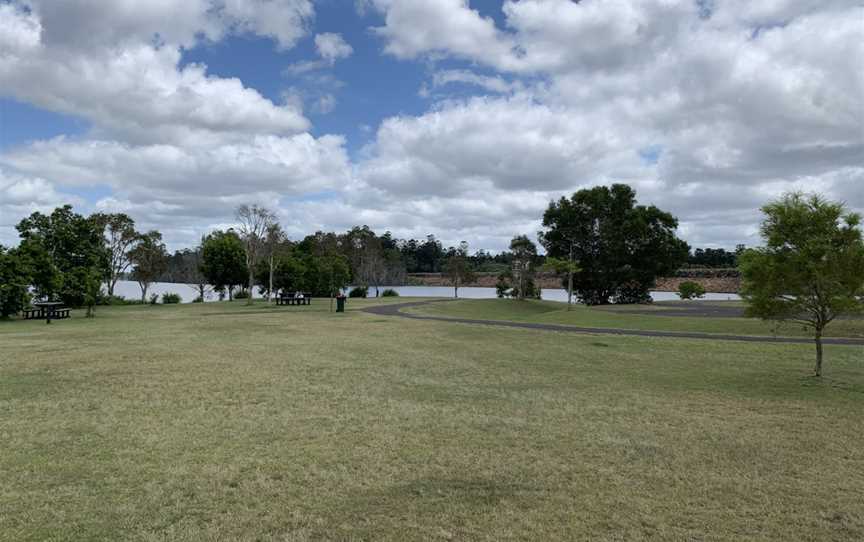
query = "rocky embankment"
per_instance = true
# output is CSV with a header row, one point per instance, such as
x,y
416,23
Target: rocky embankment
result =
x,y
724,285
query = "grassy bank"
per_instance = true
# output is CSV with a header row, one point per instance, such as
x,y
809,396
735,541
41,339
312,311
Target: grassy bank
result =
x,y
617,317
227,422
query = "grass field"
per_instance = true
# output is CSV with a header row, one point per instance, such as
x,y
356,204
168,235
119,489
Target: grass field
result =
x,y
227,422
552,312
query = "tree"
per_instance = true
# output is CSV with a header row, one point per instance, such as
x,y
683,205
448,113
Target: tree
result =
x,y
67,255
14,282
811,269
524,252
223,261
273,240
150,260
621,247
120,236
254,223
457,267
336,273
567,268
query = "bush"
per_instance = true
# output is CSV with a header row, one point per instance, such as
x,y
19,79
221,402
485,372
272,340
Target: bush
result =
x,y
242,294
198,299
154,298
171,299
389,292
690,290
359,291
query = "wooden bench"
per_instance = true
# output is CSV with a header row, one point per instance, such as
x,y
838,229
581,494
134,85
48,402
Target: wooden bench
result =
x,y
290,300
45,313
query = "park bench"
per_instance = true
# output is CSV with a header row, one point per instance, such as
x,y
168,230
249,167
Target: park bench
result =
x,y
291,300
47,311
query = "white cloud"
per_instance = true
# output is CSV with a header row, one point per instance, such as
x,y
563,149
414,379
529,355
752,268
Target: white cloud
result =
x,y
331,47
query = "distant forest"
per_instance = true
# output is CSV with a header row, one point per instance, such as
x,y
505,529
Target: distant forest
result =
x,y
412,256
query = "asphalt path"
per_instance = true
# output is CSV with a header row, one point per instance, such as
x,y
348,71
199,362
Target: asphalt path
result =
x,y
396,310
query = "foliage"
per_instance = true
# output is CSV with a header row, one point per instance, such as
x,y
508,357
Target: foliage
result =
x,y
389,292
254,222
223,261
242,294
715,257
524,253
458,268
359,291
67,255
810,270
198,299
120,237
621,247
154,299
14,282
170,298
503,288
150,260
690,290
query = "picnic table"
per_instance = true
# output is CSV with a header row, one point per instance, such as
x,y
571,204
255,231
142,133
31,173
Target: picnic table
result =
x,y
303,299
49,310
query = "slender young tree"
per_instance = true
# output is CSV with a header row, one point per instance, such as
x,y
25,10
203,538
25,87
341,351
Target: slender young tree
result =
x,y
457,267
150,260
811,269
253,222
564,267
120,237
524,251
273,239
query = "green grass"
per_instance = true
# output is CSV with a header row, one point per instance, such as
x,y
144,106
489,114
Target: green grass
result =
x,y
552,312
227,422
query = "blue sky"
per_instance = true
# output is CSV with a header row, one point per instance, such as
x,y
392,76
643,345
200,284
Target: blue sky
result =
x,y
453,117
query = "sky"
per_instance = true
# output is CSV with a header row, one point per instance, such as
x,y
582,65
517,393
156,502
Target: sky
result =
x,y
457,118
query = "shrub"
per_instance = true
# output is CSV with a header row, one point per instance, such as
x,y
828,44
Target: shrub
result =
x,y
154,298
171,299
198,299
359,291
690,290
242,294
389,292
116,300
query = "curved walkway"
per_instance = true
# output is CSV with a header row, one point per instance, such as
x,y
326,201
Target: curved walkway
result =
x,y
396,310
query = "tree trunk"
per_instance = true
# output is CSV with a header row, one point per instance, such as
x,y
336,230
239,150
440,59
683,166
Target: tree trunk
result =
x,y
143,292
111,283
251,285
456,291
818,339
230,293
570,279
270,288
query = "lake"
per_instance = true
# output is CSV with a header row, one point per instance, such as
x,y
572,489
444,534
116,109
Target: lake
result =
x,y
131,290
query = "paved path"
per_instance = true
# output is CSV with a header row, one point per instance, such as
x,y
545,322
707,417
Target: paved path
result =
x,y
396,310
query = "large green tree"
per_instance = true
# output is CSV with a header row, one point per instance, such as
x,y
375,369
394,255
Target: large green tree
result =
x,y
150,259
223,261
620,247
67,253
14,282
811,269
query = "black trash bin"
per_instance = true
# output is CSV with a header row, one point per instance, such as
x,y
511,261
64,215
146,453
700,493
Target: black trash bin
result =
x,y
340,303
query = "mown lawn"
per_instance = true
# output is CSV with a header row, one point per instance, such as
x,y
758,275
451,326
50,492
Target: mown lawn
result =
x,y
552,312
222,422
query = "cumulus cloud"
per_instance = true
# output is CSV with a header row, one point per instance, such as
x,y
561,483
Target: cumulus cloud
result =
x,y
709,109
331,47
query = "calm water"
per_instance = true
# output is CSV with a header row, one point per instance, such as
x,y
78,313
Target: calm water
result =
x,y
131,290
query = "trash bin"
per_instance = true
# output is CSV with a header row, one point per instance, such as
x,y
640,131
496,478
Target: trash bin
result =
x,y
340,303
